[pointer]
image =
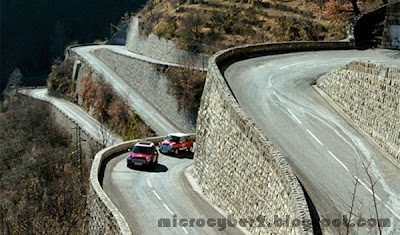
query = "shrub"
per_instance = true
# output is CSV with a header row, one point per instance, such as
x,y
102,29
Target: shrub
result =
x,y
59,81
88,92
104,97
186,85
166,29
296,29
112,111
41,187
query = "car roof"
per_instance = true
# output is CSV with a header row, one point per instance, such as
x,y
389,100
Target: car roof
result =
x,y
179,134
144,144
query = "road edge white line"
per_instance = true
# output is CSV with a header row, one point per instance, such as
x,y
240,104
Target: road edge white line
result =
x,y
337,159
309,132
155,193
294,64
148,182
368,189
184,229
169,210
269,81
294,116
393,213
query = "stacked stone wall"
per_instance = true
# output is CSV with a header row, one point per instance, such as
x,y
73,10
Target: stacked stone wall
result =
x,y
89,145
370,94
391,33
158,48
145,78
240,170
236,166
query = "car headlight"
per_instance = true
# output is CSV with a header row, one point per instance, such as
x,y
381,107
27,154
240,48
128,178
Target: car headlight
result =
x,y
148,159
129,158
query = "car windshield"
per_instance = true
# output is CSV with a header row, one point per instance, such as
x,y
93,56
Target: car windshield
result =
x,y
172,138
140,149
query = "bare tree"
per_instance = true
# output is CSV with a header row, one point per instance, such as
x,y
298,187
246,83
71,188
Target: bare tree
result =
x,y
355,7
372,187
105,136
352,207
186,83
192,24
356,212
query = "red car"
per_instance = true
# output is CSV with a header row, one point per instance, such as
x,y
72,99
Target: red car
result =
x,y
142,154
176,142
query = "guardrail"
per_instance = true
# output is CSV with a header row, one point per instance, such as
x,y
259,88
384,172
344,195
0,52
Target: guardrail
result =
x,y
105,216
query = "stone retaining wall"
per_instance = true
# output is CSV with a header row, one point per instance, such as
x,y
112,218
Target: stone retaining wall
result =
x,y
236,165
104,216
391,33
158,48
145,78
89,146
370,94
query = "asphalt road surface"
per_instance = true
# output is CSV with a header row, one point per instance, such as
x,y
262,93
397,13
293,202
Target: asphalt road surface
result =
x,y
324,150
326,153
146,195
145,109
76,113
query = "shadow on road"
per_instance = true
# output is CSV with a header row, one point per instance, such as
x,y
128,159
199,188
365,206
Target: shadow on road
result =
x,y
157,169
187,155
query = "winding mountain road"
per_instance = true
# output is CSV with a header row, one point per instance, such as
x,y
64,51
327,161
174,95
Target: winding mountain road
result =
x,y
145,196
77,114
325,151
145,109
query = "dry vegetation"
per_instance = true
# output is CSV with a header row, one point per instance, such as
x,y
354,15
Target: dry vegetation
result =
x,y
59,82
185,84
40,183
111,110
98,98
209,25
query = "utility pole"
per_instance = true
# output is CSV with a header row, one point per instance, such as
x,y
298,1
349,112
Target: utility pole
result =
x,y
78,148
112,27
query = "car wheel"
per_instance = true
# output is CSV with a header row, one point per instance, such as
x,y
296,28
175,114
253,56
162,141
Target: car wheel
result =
x,y
176,151
191,149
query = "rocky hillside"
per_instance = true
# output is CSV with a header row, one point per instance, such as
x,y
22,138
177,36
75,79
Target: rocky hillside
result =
x,y
210,25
